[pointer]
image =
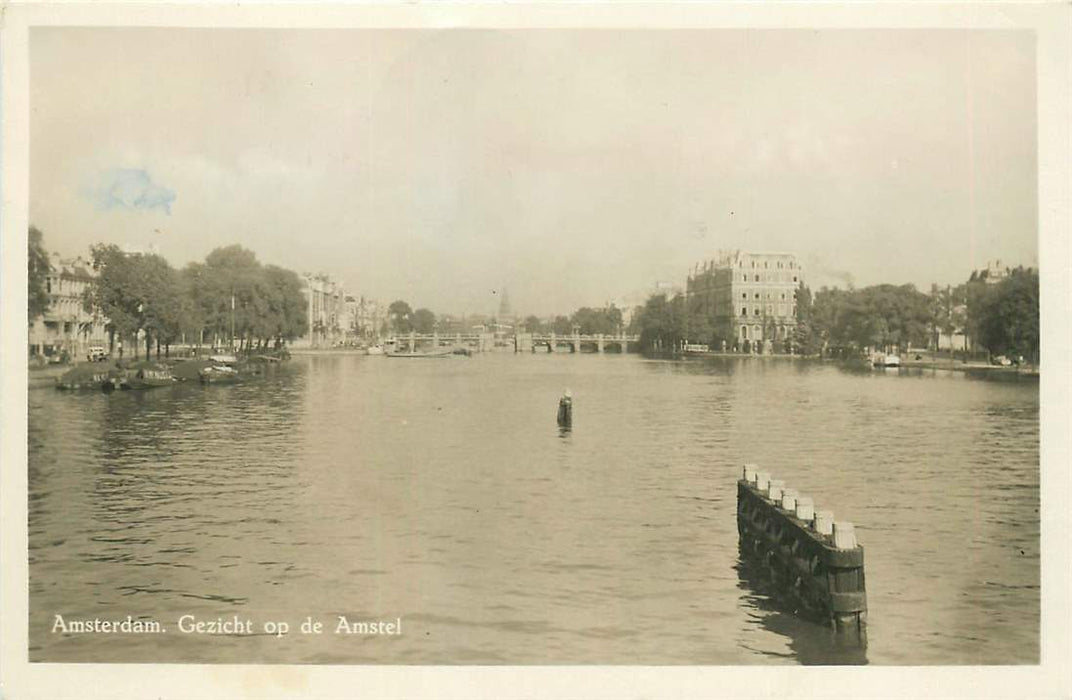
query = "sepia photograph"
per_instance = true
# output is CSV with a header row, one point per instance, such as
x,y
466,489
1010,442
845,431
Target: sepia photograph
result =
x,y
548,345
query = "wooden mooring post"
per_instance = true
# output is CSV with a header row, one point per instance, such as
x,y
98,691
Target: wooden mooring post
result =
x,y
813,559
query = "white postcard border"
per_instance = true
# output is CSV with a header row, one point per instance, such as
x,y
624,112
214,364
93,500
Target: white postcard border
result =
x,y
1052,678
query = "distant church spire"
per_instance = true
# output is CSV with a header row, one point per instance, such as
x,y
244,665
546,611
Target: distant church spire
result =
x,y
504,305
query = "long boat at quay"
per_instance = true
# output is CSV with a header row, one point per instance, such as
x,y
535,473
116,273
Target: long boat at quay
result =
x,y
433,353
222,369
150,376
91,375
145,374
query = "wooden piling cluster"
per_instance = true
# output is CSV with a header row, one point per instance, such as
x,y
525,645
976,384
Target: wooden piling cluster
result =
x,y
813,560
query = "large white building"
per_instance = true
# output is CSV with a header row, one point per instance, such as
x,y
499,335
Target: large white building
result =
x,y
749,298
326,311
336,318
363,319
371,318
66,326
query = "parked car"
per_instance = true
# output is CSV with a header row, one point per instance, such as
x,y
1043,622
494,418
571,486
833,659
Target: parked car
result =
x,y
97,354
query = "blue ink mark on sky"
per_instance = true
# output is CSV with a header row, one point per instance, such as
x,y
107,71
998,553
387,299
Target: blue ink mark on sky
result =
x,y
133,188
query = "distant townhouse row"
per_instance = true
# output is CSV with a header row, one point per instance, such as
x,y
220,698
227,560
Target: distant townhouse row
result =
x,y
68,329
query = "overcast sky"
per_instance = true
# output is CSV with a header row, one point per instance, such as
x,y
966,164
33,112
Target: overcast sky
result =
x,y
572,167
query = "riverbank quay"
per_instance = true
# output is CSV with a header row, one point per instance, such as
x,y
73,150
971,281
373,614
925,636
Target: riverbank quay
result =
x,y
974,368
329,351
711,354
152,373
952,365
47,375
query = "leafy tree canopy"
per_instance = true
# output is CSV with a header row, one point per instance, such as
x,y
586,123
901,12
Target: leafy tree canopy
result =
x,y
37,274
1004,317
400,316
424,321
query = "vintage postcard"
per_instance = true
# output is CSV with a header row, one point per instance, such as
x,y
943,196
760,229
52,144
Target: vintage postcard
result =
x,y
563,350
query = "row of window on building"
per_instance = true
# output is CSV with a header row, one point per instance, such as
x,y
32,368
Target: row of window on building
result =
x,y
781,308
778,277
717,289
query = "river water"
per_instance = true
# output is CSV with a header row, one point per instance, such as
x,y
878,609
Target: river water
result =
x,y
442,494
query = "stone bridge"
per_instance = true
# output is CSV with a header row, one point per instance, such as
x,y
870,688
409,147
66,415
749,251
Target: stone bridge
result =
x,y
521,342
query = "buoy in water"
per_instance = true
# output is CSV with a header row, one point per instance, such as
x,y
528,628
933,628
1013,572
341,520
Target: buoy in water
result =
x,y
565,410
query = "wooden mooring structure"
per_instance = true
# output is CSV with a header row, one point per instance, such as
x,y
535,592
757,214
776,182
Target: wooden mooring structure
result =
x,y
813,561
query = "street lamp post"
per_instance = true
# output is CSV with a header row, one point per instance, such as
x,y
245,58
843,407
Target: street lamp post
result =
x,y
232,319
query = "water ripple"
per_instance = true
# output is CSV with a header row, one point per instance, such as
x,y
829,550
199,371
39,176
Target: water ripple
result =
x,y
444,494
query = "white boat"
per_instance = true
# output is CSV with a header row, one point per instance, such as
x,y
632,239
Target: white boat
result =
x,y
696,348
418,353
218,374
374,350
881,359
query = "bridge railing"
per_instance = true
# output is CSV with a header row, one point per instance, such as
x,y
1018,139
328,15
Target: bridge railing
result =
x,y
521,342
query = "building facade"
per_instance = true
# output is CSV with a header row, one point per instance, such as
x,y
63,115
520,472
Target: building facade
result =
x,y
371,319
326,311
993,273
351,333
747,299
66,327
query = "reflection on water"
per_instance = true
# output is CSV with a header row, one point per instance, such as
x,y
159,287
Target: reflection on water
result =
x,y
443,493
809,642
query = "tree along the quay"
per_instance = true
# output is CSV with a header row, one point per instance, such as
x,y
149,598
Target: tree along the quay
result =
x,y
37,274
1004,317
